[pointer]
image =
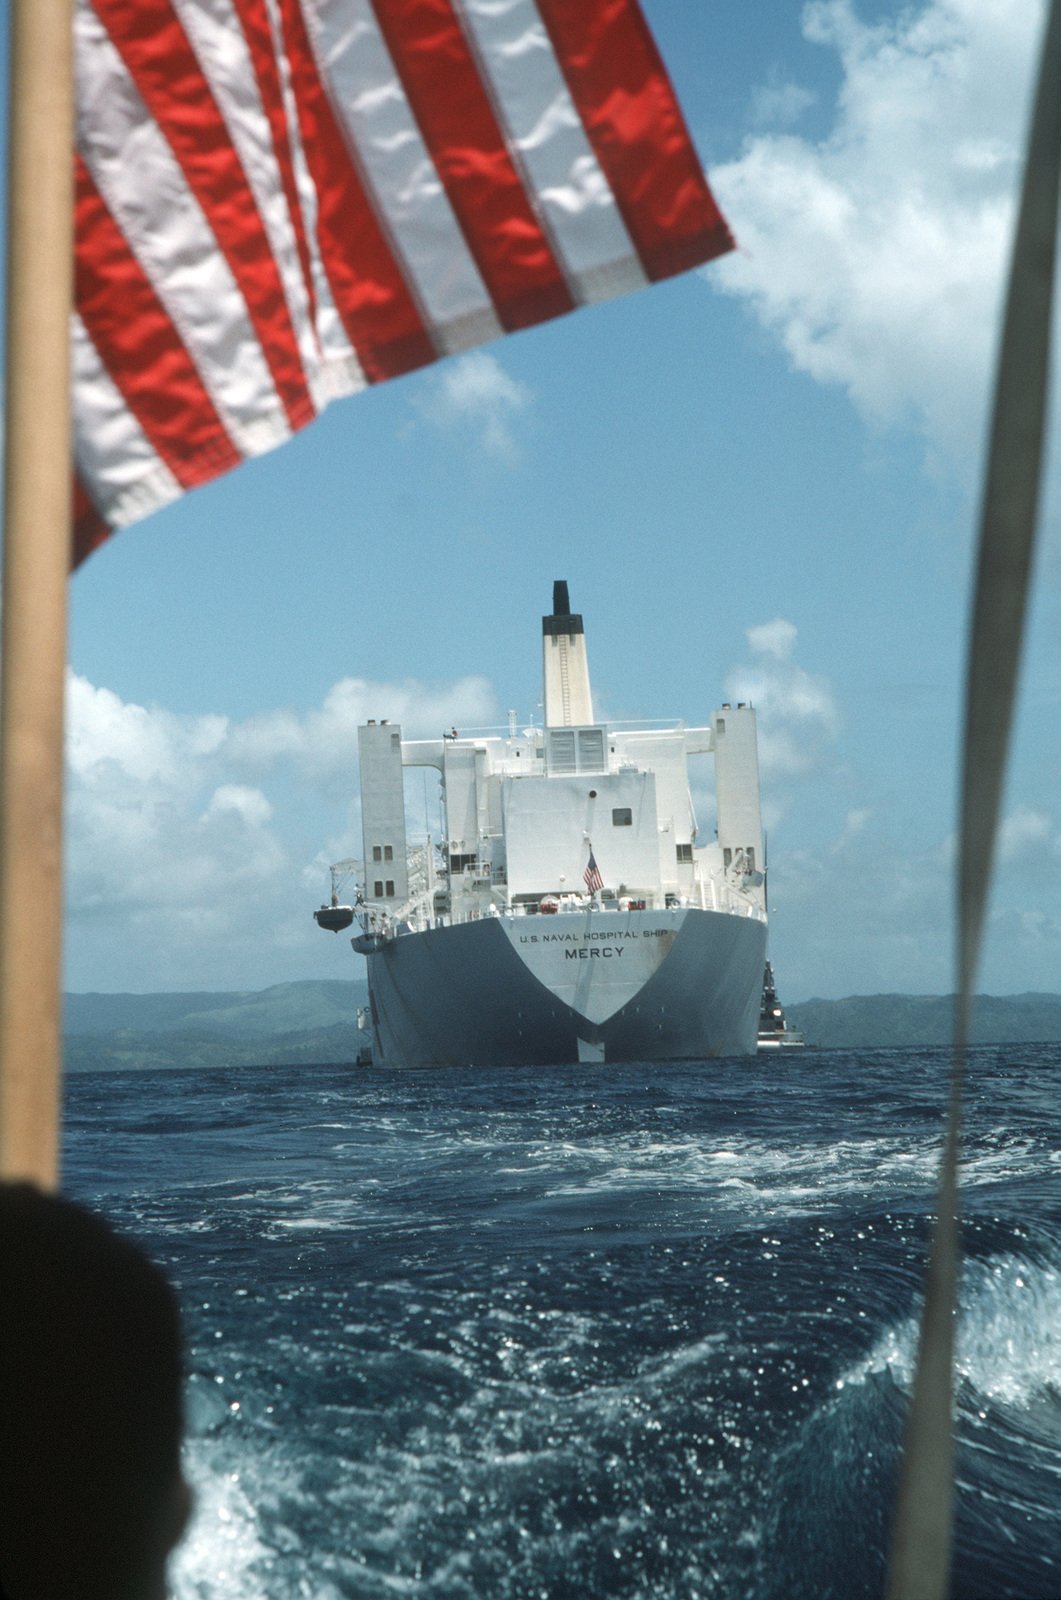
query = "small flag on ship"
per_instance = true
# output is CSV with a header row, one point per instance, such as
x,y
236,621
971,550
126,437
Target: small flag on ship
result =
x,y
592,876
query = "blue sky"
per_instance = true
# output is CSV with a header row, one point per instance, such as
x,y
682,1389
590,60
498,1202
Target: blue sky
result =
x,y
759,480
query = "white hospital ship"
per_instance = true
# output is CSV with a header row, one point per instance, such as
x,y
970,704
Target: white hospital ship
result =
x,y
572,911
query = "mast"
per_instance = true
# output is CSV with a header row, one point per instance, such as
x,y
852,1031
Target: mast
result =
x,y
35,570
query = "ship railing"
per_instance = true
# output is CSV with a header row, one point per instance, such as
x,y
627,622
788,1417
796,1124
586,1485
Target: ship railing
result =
x,y
717,891
551,903
478,875
530,729
709,891
419,911
414,913
376,923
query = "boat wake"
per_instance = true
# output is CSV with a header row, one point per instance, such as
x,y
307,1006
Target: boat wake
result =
x,y
635,1336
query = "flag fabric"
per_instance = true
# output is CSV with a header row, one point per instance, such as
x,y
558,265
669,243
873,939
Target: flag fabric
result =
x,y
279,202
591,876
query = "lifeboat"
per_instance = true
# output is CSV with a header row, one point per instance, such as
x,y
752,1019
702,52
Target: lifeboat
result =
x,y
334,918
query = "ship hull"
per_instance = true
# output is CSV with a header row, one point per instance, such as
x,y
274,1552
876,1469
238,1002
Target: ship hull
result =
x,y
521,991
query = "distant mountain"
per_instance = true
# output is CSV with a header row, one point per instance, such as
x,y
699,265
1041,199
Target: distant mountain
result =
x,y
311,1021
315,1021
126,1050
895,1020
285,1008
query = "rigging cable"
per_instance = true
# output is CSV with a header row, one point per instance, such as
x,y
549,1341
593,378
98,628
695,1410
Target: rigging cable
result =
x,y
922,1532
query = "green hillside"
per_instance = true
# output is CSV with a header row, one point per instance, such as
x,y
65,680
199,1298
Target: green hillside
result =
x,y
285,1008
311,1021
127,1050
896,1020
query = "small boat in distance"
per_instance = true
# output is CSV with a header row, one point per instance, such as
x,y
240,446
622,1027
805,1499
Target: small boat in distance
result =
x,y
572,911
774,1031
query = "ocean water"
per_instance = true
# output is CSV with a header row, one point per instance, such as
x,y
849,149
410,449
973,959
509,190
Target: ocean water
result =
x,y
641,1332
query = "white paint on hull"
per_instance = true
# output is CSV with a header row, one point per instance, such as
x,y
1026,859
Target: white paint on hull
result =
x,y
594,962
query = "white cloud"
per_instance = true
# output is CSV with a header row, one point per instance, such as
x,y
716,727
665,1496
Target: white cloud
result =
x,y
189,837
854,827
871,918
1025,836
106,733
324,742
777,638
235,799
796,712
779,103
876,253
1024,833
878,917
475,392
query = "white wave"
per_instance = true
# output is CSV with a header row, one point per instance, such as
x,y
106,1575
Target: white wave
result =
x,y
1009,1334
787,1177
796,1177
222,1555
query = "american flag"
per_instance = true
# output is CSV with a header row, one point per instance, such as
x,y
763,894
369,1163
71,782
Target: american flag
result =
x,y
279,202
591,876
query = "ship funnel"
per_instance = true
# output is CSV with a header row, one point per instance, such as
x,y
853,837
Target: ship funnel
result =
x,y
565,669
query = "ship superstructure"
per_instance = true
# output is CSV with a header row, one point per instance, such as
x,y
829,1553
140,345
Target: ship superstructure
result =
x,y
572,910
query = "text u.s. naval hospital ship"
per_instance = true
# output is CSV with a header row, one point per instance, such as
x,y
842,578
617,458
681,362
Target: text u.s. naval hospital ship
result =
x,y
571,913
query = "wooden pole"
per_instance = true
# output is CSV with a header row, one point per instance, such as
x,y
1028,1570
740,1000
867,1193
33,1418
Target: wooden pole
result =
x,y
35,570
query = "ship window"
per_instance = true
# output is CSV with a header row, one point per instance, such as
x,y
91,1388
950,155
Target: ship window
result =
x,y
457,863
685,852
377,853
377,889
622,817
720,725
390,887
388,852
727,856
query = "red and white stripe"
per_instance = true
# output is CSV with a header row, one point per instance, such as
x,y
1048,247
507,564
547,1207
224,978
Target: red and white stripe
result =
x,y
279,201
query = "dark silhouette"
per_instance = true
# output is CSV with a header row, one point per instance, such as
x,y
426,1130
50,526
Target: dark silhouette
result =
x,y
91,1494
